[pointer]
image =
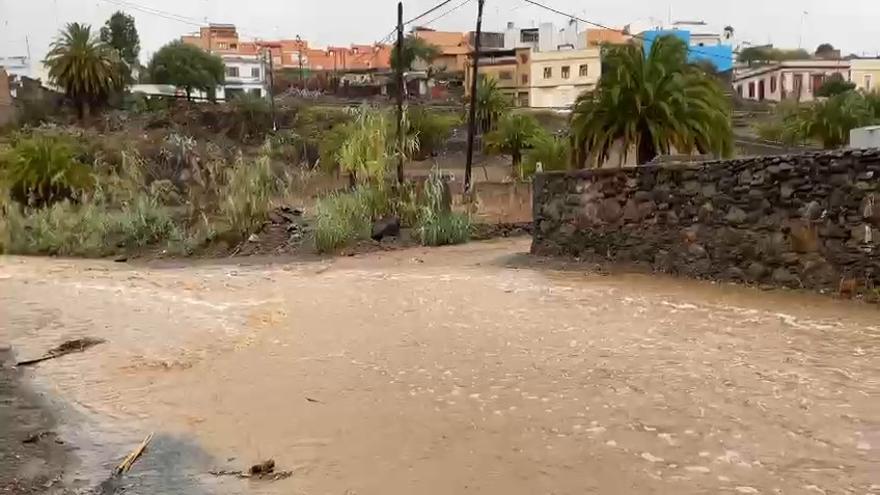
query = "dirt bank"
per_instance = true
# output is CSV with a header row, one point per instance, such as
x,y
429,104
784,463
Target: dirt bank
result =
x,y
33,457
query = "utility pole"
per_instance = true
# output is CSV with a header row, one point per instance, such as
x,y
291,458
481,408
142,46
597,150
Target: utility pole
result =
x,y
400,84
271,86
472,115
299,50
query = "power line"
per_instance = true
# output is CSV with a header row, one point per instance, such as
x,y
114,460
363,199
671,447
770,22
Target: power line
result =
x,y
637,36
453,9
414,19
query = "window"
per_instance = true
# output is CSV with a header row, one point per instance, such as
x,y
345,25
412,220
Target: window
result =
x,y
798,83
256,92
525,78
528,36
233,46
548,72
584,70
566,72
505,75
523,99
524,58
255,72
772,84
751,90
739,89
868,81
231,71
222,46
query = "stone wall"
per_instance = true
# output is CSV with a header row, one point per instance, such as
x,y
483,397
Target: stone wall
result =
x,y
810,220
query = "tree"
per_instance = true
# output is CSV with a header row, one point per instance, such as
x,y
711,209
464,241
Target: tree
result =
x,y
414,48
491,103
654,103
120,33
767,54
84,66
186,66
835,85
513,136
827,50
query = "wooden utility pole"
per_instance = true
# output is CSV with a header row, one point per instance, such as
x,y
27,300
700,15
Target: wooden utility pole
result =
x,y
271,79
401,137
299,51
472,115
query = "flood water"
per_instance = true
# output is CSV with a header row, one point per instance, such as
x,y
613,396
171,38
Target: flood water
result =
x,y
448,371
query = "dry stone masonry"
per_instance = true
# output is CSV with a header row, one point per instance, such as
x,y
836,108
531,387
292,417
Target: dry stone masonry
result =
x,y
807,221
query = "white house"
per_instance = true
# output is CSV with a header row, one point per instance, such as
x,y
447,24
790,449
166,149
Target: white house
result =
x,y
244,74
792,79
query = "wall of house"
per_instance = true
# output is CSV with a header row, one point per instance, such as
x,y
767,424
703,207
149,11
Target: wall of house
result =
x,y
865,73
557,91
810,220
785,87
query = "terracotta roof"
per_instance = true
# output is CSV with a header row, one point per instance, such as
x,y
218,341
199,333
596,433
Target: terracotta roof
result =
x,y
449,43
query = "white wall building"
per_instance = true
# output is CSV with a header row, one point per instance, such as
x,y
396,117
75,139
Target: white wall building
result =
x,y
244,74
792,79
560,76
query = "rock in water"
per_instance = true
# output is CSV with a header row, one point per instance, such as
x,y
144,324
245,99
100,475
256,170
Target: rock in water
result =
x,y
387,227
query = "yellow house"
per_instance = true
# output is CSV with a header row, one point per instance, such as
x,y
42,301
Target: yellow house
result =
x,y
558,77
865,73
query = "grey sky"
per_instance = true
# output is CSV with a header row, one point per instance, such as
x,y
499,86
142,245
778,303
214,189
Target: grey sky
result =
x,y
848,24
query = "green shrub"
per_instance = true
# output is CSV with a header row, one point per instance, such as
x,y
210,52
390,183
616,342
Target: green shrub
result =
x,y
432,128
41,169
552,152
253,116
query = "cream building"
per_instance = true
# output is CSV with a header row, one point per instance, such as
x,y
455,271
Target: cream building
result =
x,y
558,77
865,73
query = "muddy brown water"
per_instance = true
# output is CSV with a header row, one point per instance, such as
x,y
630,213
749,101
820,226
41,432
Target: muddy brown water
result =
x,y
448,371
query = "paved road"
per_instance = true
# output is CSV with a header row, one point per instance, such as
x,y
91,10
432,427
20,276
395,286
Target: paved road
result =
x,y
452,370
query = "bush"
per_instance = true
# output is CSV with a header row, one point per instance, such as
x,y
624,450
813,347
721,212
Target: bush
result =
x,y
42,168
835,85
552,152
253,116
432,129
343,218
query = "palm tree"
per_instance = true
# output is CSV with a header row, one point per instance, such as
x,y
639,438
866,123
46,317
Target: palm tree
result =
x,y
514,135
85,67
830,121
655,104
491,104
414,48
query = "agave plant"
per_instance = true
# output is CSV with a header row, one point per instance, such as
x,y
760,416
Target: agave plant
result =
x,y
86,68
654,104
44,169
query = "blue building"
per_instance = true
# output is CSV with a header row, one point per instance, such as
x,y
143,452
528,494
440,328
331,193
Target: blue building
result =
x,y
702,46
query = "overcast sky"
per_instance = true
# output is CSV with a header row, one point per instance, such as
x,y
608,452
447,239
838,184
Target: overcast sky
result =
x,y
851,25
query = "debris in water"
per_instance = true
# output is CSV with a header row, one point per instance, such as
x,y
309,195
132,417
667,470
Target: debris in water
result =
x,y
36,437
264,467
315,401
264,471
69,347
130,459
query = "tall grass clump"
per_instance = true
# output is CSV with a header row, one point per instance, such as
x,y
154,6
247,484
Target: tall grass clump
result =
x,y
43,168
247,195
437,224
343,218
